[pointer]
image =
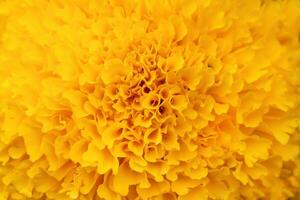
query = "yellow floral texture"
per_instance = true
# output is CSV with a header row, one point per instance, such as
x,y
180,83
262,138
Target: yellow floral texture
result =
x,y
149,99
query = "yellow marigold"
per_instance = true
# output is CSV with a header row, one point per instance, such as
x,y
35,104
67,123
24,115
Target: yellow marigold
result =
x,y
149,99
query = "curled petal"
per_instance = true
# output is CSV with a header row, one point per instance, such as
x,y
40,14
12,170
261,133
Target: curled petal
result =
x,y
178,102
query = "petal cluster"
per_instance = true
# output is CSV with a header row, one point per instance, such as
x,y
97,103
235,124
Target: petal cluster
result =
x,y
149,99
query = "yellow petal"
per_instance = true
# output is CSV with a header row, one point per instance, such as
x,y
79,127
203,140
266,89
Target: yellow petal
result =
x,y
114,70
180,28
32,141
199,192
110,134
124,178
217,189
150,101
156,188
182,185
257,148
175,62
178,102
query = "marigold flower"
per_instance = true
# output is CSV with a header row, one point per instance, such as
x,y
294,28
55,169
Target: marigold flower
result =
x,y
149,99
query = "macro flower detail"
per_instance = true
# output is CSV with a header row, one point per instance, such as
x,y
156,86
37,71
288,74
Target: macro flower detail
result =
x,y
149,100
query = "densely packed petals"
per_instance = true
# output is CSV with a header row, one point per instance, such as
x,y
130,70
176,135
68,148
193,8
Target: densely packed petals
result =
x,y
149,99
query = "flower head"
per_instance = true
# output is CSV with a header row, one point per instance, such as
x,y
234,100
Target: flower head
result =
x,y
172,99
